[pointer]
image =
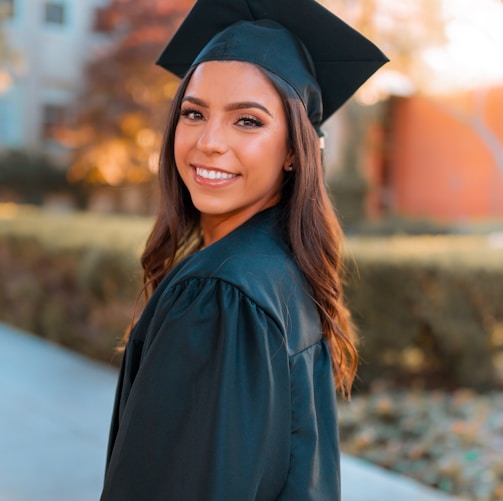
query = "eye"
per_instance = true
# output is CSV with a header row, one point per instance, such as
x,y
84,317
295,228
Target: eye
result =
x,y
191,114
249,122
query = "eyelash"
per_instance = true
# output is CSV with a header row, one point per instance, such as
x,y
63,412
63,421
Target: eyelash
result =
x,y
186,112
248,121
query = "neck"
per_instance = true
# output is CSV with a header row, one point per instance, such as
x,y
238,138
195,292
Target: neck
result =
x,y
215,227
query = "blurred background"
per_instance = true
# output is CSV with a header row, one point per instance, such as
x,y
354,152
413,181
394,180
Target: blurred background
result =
x,y
414,163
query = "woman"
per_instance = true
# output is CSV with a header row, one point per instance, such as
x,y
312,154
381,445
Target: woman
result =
x,y
227,387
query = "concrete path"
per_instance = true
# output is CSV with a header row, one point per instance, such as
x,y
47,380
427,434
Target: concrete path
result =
x,y
54,417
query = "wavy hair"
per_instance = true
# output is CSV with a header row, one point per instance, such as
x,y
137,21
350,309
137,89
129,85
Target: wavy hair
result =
x,y
312,229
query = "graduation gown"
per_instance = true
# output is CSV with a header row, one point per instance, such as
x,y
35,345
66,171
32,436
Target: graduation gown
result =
x,y
226,390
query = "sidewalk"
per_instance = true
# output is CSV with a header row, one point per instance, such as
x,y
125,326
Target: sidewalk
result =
x,y
54,422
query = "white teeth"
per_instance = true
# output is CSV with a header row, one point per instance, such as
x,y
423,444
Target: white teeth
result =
x,y
213,174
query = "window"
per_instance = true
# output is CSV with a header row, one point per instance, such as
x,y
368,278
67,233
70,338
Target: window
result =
x,y
6,9
53,117
55,13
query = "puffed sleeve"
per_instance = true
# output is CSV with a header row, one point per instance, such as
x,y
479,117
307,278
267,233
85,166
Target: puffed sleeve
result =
x,y
209,415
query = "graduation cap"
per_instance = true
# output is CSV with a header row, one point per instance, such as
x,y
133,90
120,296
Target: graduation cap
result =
x,y
319,55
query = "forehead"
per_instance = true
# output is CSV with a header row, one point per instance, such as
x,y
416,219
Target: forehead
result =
x,y
229,80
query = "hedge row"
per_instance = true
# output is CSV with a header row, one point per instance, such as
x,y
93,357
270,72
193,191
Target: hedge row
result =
x,y
72,279
429,309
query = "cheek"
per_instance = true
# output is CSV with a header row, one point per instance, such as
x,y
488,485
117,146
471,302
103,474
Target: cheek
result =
x,y
270,151
180,146
178,141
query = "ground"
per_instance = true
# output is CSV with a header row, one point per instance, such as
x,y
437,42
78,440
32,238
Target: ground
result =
x,y
452,440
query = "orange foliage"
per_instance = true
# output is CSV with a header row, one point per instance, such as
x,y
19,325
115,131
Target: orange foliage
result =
x,y
121,113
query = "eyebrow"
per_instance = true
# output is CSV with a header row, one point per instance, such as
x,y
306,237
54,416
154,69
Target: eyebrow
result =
x,y
230,107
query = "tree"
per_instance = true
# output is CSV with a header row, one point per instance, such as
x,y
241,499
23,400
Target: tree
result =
x,y
121,112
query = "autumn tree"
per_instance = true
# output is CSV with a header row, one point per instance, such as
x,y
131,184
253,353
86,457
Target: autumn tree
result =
x,y
121,112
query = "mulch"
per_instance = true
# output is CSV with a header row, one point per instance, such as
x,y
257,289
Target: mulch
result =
x,y
448,439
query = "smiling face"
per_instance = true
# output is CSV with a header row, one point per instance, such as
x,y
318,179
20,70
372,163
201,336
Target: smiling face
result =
x,y
231,144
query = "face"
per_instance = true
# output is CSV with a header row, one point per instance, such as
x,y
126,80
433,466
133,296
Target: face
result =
x,y
231,144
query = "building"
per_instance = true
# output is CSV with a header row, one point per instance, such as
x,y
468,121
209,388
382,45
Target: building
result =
x,y
49,43
444,158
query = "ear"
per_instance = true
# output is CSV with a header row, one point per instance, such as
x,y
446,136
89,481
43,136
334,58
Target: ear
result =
x,y
289,164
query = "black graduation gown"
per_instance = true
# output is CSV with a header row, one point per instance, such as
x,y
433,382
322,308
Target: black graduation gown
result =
x,y
226,390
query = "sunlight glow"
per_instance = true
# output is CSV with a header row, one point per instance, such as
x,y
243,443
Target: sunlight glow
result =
x,y
473,55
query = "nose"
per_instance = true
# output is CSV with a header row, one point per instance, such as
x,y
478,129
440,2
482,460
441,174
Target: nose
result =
x,y
213,138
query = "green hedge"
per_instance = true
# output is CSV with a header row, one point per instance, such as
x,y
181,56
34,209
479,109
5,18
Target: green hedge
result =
x,y
72,279
30,177
429,309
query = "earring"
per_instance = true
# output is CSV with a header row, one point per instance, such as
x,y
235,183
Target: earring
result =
x,y
290,167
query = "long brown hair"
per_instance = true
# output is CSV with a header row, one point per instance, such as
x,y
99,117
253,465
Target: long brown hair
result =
x,y
313,231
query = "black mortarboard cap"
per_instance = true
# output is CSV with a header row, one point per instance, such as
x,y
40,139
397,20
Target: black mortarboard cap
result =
x,y
318,54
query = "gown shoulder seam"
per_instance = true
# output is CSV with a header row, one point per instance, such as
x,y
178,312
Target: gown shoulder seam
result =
x,y
235,286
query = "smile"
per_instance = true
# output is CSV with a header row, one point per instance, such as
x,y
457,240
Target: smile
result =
x,y
213,174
